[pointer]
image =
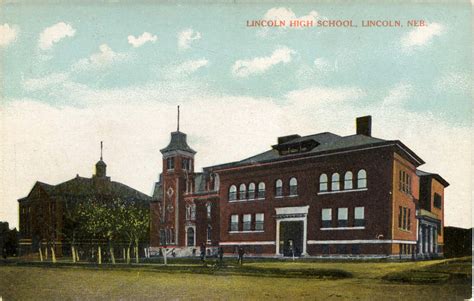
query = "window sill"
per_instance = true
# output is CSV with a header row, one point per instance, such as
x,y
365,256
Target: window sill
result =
x,y
342,228
342,191
246,200
246,231
404,230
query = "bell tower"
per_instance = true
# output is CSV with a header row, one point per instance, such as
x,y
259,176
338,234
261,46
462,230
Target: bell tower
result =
x,y
177,178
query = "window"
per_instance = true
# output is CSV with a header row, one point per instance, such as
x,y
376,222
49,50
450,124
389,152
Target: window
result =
x,y
186,164
404,221
234,222
251,191
278,188
242,192
404,182
247,222
209,233
209,210
323,182
362,179
217,182
359,218
293,186
188,212
348,180
193,212
190,237
342,217
162,237
437,201
335,182
232,193
170,163
259,219
261,190
326,217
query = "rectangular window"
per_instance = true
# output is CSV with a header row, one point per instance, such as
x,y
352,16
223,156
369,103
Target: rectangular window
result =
x,y
170,163
408,220
234,222
342,217
437,201
247,222
400,217
404,218
326,217
359,218
259,219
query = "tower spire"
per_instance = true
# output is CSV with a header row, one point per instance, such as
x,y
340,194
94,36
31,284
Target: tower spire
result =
x,y
101,147
178,118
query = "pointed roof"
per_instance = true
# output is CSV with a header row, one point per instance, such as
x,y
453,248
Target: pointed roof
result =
x,y
178,143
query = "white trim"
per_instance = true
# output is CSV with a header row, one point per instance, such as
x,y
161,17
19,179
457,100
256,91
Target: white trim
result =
x,y
246,231
342,191
343,228
292,210
361,241
244,200
232,243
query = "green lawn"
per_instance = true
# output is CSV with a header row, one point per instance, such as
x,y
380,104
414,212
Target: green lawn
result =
x,y
319,280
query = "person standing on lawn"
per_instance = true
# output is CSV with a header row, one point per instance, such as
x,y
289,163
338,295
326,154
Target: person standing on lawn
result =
x,y
220,252
241,255
203,252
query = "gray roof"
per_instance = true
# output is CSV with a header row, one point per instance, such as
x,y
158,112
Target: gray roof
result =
x,y
80,187
325,143
440,179
178,142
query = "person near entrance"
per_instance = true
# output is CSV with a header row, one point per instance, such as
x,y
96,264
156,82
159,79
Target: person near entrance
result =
x,y
241,253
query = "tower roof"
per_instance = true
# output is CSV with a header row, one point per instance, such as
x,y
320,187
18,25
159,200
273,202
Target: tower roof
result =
x,y
178,143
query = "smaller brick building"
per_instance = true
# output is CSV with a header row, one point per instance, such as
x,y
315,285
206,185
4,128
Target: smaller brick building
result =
x,y
46,214
317,195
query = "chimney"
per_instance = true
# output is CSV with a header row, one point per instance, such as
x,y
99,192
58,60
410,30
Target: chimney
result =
x,y
364,125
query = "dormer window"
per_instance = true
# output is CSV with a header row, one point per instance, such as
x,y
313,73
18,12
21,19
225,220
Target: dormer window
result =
x,y
294,144
170,163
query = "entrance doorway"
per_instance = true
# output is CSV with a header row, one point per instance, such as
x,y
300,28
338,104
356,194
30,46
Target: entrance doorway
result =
x,y
291,238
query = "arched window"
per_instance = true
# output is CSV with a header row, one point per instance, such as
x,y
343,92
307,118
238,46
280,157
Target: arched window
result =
x,y
293,186
348,180
232,193
362,179
323,182
278,188
335,182
251,191
190,237
242,192
261,190
209,210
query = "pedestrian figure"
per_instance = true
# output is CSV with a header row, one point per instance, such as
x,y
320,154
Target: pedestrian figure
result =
x,y
220,252
241,256
203,252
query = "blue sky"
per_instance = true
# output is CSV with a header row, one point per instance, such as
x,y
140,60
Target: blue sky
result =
x,y
78,74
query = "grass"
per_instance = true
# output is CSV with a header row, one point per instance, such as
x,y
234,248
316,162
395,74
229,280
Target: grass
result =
x,y
319,280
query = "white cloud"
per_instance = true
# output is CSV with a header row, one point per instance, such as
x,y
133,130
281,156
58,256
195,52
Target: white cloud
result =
x,y
8,34
52,144
41,83
54,34
286,14
398,95
186,37
454,82
421,36
139,41
104,58
258,65
190,66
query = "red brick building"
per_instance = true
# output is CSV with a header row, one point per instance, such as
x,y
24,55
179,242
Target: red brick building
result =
x,y
317,195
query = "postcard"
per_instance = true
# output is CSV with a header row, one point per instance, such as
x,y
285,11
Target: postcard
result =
x,y
236,150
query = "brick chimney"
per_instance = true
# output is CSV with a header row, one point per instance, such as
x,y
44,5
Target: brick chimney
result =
x,y
364,125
